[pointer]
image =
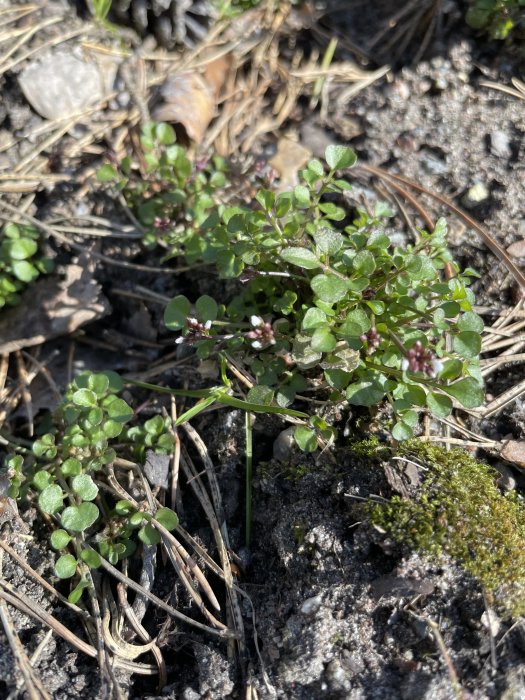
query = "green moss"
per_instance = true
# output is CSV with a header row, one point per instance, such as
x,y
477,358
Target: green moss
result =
x,y
462,513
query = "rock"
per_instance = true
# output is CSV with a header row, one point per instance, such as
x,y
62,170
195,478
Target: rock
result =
x,y
283,445
63,84
311,605
517,249
514,451
476,194
500,144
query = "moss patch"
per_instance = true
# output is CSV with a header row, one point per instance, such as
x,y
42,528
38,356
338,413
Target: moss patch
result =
x,y
462,513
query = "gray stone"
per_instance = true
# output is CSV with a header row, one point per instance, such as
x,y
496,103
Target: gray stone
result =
x,y
500,144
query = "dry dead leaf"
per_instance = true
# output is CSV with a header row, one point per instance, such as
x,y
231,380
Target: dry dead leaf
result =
x,y
288,160
190,98
51,308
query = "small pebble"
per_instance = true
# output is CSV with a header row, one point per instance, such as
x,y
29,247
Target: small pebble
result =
x,y
284,444
476,194
311,605
500,144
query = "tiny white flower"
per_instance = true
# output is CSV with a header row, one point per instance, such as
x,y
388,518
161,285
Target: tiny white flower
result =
x,y
191,321
437,365
404,364
207,325
257,345
179,340
256,321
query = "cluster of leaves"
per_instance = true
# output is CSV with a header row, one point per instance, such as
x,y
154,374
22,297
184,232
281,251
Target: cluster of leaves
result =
x,y
172,197
497,17
66,476
21,261
335,305
462,513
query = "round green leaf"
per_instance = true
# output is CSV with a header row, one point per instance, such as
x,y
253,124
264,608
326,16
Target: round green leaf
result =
x,y
91,558
176,313
149,535
24,271
439,404
402,431
79,518
367,391
124,507
470,321
305,438
302,196
66,566
364,263
339,157
467,344
356,323
329,288
84,486
51,498
85,397
207,308
328,241
323,340
302,257
165,134
59,539
106,173
167,517
42,479
119,411
260,394
112,429
21,248
313,318
468,392
98,383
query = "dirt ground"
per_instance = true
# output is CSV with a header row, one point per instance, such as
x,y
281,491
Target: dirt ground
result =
x,y
338,614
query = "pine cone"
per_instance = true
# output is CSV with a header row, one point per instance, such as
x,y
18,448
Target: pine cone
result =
x,y
172,22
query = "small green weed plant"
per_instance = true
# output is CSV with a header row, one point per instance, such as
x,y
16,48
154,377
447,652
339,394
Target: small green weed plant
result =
x,y
497,17
462,513
67,477
21,261
324,304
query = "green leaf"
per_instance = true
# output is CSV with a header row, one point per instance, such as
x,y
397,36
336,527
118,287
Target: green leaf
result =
x,y
154,425
439,404
323,340
467,344
112,428
356,323
85,398
339,157
316,167
305,438
41,479
260,394
328,241
302,196
84,486
149,535
59,539
21,248
66,566
124,507
329,288
165,134
469,392
51,498
452,369
115,381
266,199
167,517
302,257
337,378
79,518
402,431
207,308
119,411
106,173
368,391
78,590
364,263
91,558
176,313
98,383
24,271
470,321
313,318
